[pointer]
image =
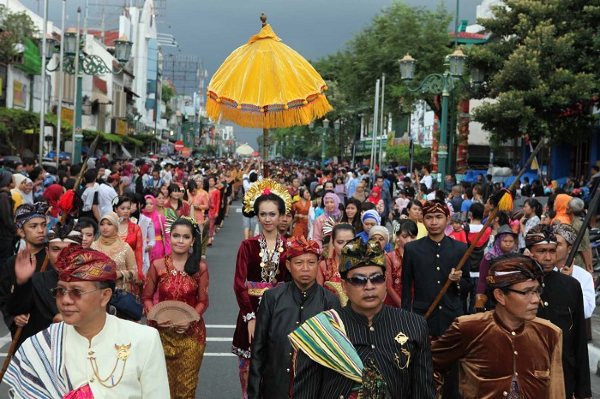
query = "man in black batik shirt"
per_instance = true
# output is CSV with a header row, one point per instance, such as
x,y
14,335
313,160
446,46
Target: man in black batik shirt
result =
x,y
375,351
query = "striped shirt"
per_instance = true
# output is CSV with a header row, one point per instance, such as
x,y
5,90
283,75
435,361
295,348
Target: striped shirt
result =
x,y
406,376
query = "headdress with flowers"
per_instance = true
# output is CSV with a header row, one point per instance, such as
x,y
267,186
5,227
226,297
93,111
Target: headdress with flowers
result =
x,y
265,187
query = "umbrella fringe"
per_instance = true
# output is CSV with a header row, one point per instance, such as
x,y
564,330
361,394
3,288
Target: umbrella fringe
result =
x,y
269,120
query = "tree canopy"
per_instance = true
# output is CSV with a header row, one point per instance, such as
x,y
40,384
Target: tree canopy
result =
x,y
541,69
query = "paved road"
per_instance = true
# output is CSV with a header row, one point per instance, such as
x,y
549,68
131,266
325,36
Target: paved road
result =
x,y
218,375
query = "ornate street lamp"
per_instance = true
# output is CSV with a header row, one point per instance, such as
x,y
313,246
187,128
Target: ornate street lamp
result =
x,y
76,62
437,83
457,62
407,67
70,42
51,44
123,49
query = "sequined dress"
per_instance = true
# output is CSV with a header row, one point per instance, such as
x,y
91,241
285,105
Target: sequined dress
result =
x,y
183,351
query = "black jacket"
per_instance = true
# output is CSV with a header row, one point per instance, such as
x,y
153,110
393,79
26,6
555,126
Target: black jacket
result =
x,y
8,229
281,311
562,302
32,297
426,266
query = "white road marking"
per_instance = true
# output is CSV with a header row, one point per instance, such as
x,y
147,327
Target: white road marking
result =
x,y
594,359
218,354
238,210
219,339
220,326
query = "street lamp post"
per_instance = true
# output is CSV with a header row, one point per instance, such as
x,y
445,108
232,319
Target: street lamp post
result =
x,y
76,62
323,133
436,83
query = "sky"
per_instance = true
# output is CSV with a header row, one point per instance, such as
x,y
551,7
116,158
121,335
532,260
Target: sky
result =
x,y
212,29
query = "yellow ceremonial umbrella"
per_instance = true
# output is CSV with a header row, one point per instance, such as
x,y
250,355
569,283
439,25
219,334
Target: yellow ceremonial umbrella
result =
x,y
266,84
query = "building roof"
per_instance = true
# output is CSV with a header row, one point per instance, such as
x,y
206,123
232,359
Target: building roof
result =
x,y
470,37
109,36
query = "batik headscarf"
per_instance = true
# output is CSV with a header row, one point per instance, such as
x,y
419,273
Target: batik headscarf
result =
x,y
540,234
65,233
566,231
510,269
299,245
336,214
78,264
435,207
356,253
26,212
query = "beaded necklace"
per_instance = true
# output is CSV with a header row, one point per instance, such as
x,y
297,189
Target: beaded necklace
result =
x,y
269,263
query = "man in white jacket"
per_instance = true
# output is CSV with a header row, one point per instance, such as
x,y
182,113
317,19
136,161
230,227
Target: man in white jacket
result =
x,y
90,353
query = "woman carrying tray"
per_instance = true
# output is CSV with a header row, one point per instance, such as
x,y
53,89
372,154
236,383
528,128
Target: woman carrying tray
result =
x,y
260,264
181,276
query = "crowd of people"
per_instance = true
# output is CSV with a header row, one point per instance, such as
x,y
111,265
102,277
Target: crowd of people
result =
x,y
336,280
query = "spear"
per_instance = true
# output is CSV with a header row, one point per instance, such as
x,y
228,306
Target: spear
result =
x,y
504,204
19,331
588,216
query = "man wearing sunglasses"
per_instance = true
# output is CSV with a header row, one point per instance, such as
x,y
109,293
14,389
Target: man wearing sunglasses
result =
x,y
372,350
562,304
282,309
506,352
90,354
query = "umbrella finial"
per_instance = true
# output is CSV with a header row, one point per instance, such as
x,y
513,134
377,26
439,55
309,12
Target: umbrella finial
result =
x,y
263,18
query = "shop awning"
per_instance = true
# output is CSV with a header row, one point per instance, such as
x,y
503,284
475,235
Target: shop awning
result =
x,y
100,98
133,93
133,141
114,138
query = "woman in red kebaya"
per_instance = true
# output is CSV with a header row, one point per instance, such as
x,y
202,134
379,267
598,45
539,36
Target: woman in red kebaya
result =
x,y
260,265
181,276
214,203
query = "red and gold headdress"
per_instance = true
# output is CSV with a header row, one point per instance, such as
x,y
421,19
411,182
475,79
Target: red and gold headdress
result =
x,y
264,187
78,264
299,245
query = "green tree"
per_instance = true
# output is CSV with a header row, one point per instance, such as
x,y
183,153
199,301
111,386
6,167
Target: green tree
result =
x,y
397,30
14,29
541,69
401,154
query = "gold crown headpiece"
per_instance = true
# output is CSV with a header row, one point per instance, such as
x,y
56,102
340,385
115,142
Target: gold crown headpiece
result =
x,y
266,186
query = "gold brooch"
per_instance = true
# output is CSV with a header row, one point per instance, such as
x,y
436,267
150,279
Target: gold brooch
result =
x,y
401,338
122,351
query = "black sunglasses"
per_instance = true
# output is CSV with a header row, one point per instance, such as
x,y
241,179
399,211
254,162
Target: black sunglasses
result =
x,y
361,281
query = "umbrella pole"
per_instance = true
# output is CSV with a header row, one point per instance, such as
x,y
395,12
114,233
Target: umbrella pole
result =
x,y
265,152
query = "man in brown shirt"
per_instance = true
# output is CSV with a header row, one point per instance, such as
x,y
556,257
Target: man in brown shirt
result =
x,y
507,352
